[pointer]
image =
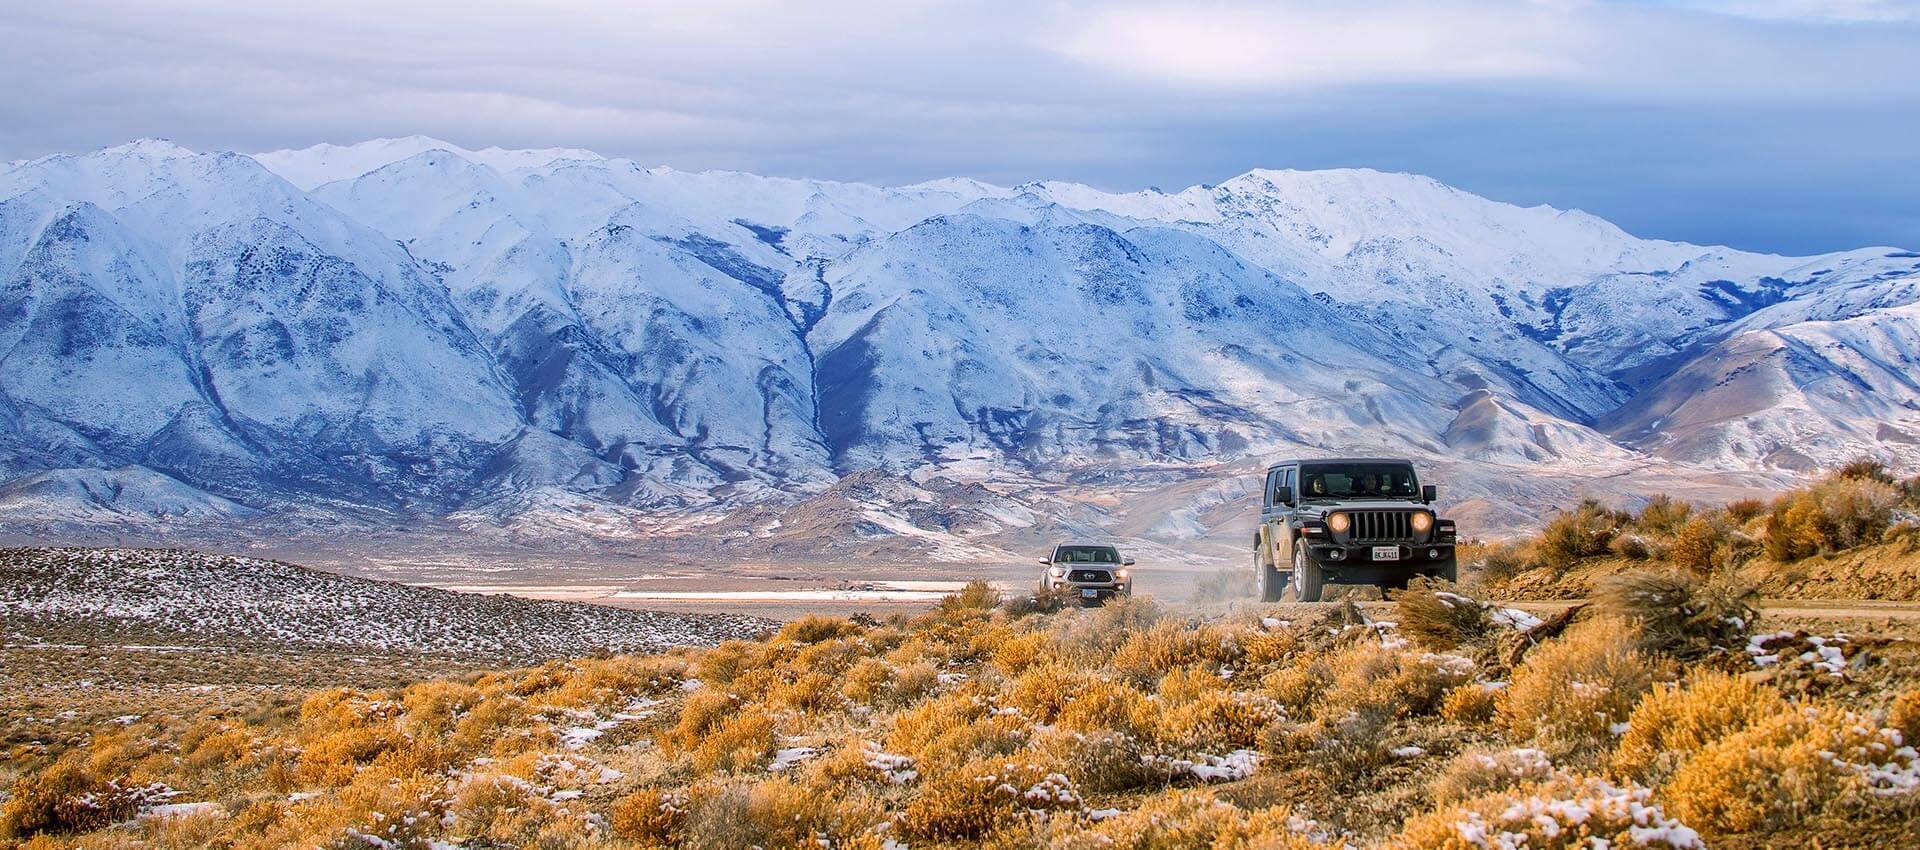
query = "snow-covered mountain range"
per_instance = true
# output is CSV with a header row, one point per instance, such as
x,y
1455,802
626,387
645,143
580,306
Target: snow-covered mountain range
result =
x,y
555,345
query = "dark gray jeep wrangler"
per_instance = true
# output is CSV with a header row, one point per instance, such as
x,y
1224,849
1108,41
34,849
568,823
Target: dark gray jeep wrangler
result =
x,y
1347,521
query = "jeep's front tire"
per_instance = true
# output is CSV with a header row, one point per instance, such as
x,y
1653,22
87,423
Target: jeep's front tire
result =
x,y
1305,583
1267,580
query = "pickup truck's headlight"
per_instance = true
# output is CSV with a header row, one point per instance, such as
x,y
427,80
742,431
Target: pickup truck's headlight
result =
x,y
1338,522
1058,572
1422,521
1122,573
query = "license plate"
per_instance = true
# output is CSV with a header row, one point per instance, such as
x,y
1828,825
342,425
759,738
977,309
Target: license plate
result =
x,y
1386,553
1089,593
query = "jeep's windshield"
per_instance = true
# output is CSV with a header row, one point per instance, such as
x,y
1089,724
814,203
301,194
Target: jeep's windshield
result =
x,y
1086,555
1358,481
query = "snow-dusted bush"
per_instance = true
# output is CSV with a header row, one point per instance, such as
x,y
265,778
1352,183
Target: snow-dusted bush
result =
x,y
1574,694
1793,766
1564,813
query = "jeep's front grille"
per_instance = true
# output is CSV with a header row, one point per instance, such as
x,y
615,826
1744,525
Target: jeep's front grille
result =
x,y
1381,525
1090,575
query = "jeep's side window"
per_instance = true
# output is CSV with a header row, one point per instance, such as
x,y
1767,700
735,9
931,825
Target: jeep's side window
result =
x,y
1273,484
1286,480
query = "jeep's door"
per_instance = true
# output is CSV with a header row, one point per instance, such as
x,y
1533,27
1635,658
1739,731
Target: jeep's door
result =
x,y
1276,516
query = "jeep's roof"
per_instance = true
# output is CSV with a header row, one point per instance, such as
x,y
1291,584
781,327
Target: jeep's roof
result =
x,y
1293,461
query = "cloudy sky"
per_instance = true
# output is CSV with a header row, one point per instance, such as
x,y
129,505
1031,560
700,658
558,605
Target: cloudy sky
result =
x,y
1784,125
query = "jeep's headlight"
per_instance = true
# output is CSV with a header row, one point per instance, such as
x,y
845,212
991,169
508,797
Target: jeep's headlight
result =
x,y
1338,522
1422,521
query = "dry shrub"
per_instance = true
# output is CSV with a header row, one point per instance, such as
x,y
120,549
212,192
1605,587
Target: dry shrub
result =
x,y
1663,514
599,683
723,663
1836,514
945,733
1437,616
435,708
1701,546
1496,563
831,657
1904,716
1743,511
1481,772
66,798
814,628
1396,682
1864,469
911,682
869,681
1572,691
1109,706
977,597
1146,655
1634,547
1583,532
982,796
1044,691
1194,820
771,813
1017,653
498,805
1678,614
1790,768
1676,720
1268,646
333,758
1565,813
214,744
194,831
1218,721
1102,762
741,741
1470,704
812,693
1375,687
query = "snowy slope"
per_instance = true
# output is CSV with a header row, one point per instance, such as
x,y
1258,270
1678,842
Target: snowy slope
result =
x,y
554,343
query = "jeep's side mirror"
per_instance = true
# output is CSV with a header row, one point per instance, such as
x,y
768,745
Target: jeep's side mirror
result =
x,y
1126,562
1428,493
1283,495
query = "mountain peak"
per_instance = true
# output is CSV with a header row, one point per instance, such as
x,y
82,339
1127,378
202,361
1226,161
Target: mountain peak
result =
x,y
310,167
151,148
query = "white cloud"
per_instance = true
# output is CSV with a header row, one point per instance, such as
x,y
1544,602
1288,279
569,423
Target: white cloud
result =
x,y
1861,11
1338,43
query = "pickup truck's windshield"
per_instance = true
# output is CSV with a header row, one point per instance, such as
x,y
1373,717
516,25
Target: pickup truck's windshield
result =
x,y
1358,481
1086,555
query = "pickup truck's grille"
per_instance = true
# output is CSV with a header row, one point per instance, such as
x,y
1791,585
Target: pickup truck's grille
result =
x,y
1381,525
1090,575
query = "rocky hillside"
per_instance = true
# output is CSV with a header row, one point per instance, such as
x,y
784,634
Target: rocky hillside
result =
x,y
147,597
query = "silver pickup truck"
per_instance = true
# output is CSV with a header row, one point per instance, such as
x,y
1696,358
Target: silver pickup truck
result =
x,y
1086,571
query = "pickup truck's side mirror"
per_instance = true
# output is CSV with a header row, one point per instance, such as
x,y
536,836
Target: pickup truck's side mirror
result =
x,y
1428,493
1126,562
1046,562
1283,495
